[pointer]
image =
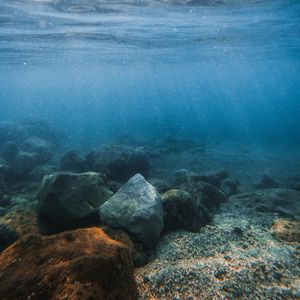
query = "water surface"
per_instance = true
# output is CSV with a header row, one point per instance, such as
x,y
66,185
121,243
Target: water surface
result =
x,y
215,70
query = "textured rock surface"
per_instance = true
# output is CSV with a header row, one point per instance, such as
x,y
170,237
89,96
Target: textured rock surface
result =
x,y
182,211
80,264
137,208
118,162
70,200
72,161
7,236
24,163
206,194
229,187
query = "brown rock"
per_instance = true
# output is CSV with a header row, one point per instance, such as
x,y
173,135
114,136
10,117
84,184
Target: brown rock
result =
x,y
80,264
286,230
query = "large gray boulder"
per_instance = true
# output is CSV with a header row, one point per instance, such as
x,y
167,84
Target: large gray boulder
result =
x,y
70,200
137,208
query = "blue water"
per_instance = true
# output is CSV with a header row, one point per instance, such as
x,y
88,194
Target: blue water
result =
x,y
216,70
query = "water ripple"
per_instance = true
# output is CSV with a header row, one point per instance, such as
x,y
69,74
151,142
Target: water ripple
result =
x,y
119,29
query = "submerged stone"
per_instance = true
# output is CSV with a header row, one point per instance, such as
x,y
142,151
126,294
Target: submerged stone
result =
x,y
23,164
267,182
69,200
81,264
7,236
182,211
229,187
137,208
206,194
118,162
72,161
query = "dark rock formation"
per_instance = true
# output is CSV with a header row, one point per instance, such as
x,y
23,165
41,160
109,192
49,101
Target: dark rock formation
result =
x,y
69,200
118,162
72,161
160,185
23,164
267,182
182,211
206,194
229,187
7,236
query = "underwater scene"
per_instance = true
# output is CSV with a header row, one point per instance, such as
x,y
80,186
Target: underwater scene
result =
x,y
149,149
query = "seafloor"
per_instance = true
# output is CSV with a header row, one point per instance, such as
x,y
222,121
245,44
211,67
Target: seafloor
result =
x,y
244,246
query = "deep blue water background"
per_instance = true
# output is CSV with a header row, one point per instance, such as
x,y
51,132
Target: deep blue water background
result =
x,y
98,70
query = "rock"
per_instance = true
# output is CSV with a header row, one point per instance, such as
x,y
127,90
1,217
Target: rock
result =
x,y
42,148
7,237
293,183
286,230
182,211
9,151
137,208
118,162
23,164
206,194
114,185
160,185
69,200
81,264
72,161
229,187
5,201
3,187
267,182
140,259
215,178
283,202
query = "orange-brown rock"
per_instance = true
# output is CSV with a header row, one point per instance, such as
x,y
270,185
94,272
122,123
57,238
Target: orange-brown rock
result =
x,y
80,264
286,230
